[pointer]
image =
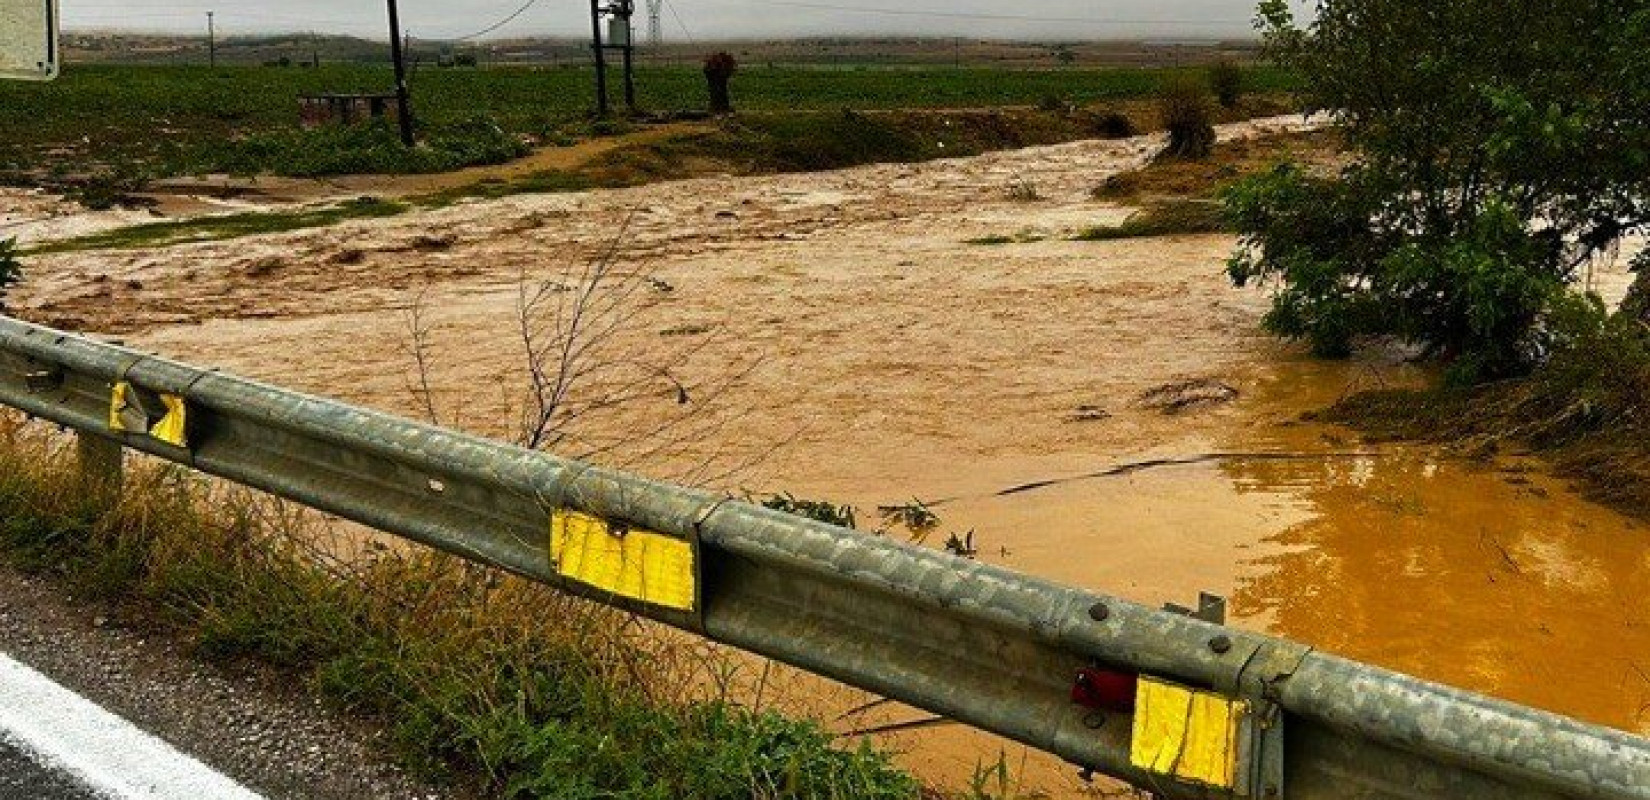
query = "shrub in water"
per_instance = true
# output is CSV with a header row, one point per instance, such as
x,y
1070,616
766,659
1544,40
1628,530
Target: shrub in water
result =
x,y
1184,105
1483,179
1226,79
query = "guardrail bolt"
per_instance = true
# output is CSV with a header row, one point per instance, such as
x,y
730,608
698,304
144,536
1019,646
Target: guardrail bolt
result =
x,y
1221,644
1098,612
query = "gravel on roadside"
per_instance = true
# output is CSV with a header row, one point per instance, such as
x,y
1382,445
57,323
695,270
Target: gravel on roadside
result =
x,y
254,725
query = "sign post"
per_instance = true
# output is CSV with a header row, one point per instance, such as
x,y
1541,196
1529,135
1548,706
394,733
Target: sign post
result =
x,y
28,40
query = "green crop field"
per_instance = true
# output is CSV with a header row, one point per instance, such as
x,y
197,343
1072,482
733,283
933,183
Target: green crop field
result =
x,y
168,120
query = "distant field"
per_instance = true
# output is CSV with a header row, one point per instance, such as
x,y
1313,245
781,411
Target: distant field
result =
x,y
166,120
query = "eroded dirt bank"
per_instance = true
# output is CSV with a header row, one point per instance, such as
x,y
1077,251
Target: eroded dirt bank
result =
x,y
880,358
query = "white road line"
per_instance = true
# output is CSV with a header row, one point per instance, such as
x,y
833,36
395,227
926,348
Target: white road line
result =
x,y
108,754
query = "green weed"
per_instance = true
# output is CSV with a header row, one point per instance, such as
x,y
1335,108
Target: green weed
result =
x,y
829,513
489,681
1163,219
226,226
1023,237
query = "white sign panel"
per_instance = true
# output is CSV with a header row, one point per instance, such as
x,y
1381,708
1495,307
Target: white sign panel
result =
x,y
28,40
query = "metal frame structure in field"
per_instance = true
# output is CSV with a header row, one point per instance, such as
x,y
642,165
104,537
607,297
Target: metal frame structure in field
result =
x,y
28,40
1208,711
620,36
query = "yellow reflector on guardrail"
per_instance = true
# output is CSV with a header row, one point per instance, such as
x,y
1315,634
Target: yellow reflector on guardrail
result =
x,y
1186,734
127,415
628,562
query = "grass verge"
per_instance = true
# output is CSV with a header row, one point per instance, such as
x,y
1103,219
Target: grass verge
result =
x,y
1587,410
491,682
1163,219
225,226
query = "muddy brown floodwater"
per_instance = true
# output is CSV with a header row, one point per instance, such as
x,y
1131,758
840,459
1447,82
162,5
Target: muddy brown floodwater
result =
x,y
893,361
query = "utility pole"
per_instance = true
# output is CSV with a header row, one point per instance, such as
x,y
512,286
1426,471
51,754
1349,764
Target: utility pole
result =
x,y
403,100
601,57
621,38
655,23
211,41
623,11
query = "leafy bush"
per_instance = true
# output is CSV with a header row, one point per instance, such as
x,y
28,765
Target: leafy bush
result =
x,y
1114,125
1476,294
11,272
1184,105
1636,306
1497,155
356,149
1226,80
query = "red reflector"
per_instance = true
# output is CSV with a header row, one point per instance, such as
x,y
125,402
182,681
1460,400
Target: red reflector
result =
x,y
1104,689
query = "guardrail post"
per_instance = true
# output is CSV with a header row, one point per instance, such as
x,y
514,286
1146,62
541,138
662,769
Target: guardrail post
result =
x,y
102,466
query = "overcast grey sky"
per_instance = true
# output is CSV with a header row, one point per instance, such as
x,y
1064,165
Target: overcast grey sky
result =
x,y
695,19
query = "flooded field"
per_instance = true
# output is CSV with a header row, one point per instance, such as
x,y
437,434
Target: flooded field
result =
x,y
834,336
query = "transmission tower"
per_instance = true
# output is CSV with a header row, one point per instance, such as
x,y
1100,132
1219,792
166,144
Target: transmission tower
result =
x,y
655,23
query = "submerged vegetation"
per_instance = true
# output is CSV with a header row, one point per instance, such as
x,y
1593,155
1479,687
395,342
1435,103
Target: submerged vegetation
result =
x,y
1163,219
1187,116
500,685
1489,165
1502,156
1585,409
227,226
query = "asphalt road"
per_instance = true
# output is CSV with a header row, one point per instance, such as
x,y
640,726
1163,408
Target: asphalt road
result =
x,y
23,779
90,751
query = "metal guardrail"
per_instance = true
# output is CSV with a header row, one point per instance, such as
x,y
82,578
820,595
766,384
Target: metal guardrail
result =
x,y
1248,715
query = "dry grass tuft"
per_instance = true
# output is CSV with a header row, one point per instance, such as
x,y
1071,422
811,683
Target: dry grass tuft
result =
x,y
482,679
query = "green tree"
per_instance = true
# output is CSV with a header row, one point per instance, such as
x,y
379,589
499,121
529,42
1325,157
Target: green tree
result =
x,y
1497,147
719,69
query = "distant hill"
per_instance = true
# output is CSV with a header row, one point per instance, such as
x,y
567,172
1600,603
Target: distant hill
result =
x,y
303,48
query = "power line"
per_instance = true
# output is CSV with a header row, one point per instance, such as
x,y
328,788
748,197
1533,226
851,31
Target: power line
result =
x,y
501,23
685,32
899,12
